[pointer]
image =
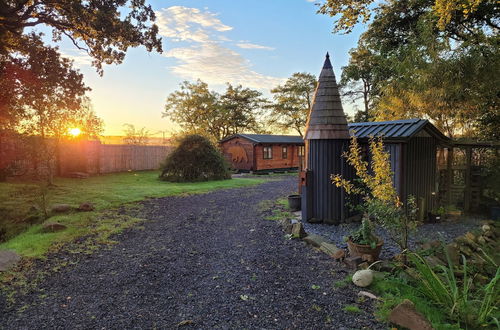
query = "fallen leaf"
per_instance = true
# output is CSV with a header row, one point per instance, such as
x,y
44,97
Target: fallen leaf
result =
x,y
185,322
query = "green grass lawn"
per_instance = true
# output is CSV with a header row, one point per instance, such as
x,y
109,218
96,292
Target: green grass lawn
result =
x,y
105,192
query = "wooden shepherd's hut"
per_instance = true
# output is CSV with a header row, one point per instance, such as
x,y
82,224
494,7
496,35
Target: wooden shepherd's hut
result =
x,y
327,136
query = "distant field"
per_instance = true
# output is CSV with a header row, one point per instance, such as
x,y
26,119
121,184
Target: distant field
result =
x,y
105,192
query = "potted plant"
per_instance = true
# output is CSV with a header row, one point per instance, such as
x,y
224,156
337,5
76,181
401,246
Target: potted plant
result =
x,y
364,241
379,199
437,215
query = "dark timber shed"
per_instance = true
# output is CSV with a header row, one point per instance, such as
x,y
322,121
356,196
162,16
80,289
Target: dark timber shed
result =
x,y
412,145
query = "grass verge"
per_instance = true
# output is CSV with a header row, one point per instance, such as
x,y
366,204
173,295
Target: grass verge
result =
x,y
104,192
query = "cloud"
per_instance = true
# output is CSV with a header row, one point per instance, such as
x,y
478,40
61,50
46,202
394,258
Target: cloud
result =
x,y
216,64
247,45
207,57
188,24
80,58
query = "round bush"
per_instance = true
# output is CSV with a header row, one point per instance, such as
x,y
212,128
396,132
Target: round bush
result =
x,y
195,159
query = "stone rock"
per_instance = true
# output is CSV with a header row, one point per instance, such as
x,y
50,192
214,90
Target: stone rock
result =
x,y
315,240
362,278
61,208
51,227
86,207
294,221
368,258
407,316
329,248
486,228
353,262
431,245
339,255
368,295
298,230
8,259
470,237
466,250
287,227
453,251
434,261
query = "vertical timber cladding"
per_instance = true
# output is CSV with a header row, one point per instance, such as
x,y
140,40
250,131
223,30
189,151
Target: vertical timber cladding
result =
x,y
328,203
327,137
421,170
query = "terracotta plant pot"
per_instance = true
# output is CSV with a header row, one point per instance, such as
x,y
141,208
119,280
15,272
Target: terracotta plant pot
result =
x,y
358,250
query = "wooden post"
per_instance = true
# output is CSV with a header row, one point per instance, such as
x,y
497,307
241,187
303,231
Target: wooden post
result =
x,y
449,175
467,192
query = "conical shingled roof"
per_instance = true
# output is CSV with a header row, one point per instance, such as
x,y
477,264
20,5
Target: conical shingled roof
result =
x,y
326,119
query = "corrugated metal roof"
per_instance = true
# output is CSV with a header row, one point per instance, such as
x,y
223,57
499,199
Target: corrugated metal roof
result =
x,y
395,129
268,138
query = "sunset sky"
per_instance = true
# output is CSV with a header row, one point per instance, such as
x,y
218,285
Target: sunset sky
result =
x,y
254,43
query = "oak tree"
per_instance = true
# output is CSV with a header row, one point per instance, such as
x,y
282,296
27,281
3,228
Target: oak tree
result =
x,y
292,101
199,110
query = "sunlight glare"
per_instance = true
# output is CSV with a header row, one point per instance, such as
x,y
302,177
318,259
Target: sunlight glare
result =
x,y
75,131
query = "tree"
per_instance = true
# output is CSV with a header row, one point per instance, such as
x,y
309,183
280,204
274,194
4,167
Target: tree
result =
x,y
357,80
292,102
420,69
105,29
457,17
50,98
194,159
199,110
135,136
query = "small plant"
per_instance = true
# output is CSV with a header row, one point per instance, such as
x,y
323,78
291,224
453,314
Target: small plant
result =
x,y
343,283
441,211
364,235
352,309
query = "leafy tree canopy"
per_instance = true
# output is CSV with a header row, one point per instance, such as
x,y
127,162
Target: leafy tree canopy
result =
x,y
292,102
454,16
37,81
194,159
202,111
105,29
418,67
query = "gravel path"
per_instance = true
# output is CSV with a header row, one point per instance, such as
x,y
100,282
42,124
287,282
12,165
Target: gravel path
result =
x,y
209,260
443,231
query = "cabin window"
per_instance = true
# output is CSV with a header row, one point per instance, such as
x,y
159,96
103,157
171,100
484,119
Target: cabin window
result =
x,y
268,152
301,151
284,152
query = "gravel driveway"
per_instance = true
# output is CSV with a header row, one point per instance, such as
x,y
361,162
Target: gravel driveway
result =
x,y
202,262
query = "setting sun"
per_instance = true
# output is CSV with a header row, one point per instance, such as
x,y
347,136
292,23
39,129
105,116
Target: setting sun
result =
x,y
75,131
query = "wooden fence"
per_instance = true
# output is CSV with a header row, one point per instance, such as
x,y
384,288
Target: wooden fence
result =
x,y
95,158
92,157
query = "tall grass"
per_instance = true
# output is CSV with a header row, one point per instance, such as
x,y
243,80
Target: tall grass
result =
x,y
472,308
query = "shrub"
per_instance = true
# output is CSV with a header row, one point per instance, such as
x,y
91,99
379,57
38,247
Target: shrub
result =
x,y
194,159
380,200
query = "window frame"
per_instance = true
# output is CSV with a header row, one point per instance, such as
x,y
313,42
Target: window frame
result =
x,y
302,151
284,152
267,151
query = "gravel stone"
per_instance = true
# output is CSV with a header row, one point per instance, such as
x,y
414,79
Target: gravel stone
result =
x,y
202,261
444,231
